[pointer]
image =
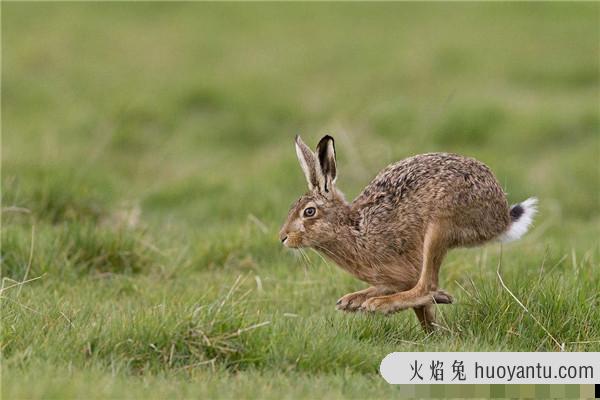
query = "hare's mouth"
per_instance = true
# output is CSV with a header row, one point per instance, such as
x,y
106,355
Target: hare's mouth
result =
x,y
291,241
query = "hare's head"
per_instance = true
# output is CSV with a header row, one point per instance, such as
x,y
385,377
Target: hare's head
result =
x,y
313,219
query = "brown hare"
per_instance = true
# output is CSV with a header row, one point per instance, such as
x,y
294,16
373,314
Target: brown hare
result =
x,y
395,234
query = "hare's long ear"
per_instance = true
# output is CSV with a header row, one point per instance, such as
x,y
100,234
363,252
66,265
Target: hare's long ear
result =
x,y
326,153
310,165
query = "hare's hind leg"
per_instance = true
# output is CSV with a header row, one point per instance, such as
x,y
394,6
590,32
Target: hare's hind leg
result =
x,y
352,301
426,290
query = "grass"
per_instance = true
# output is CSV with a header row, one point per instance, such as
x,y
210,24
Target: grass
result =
x,y
147,164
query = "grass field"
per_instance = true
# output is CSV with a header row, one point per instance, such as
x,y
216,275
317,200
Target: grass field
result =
x,y
148,163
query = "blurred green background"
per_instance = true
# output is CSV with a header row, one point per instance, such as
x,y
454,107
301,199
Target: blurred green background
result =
x,y
148,151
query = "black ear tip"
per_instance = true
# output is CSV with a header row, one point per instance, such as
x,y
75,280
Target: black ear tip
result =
x,y
325,139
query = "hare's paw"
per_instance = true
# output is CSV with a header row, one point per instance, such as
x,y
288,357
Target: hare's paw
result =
x,y
351,301
442,297
383,304
403,300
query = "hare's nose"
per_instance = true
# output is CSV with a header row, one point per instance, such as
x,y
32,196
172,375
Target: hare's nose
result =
x,y
283,235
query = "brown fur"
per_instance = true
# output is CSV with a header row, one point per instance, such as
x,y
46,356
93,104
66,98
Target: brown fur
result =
x,y
395,234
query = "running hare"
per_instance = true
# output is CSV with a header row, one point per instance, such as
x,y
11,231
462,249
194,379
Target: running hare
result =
x,y
395,234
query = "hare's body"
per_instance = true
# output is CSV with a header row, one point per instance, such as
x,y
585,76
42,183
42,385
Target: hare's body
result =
x,y
393,212
395,234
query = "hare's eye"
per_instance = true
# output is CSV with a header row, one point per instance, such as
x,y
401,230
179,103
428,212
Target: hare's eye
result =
x,y
310,212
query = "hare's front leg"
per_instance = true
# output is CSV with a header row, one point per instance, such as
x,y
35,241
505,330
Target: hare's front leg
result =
x,y
425,291
426,316
352,301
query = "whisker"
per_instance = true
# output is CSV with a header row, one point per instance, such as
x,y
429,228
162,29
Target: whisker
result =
x,y
322,258
303,256
307,262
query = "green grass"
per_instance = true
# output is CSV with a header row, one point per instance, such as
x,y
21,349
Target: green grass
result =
x,y
148,162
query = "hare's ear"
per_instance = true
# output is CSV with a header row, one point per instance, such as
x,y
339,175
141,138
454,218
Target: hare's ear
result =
x,y
310,165
326,153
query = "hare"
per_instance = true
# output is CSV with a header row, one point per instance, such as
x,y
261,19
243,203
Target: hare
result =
x,y
395,234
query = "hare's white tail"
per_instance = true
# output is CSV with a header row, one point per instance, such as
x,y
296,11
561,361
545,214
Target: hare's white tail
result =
x,y
521,216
